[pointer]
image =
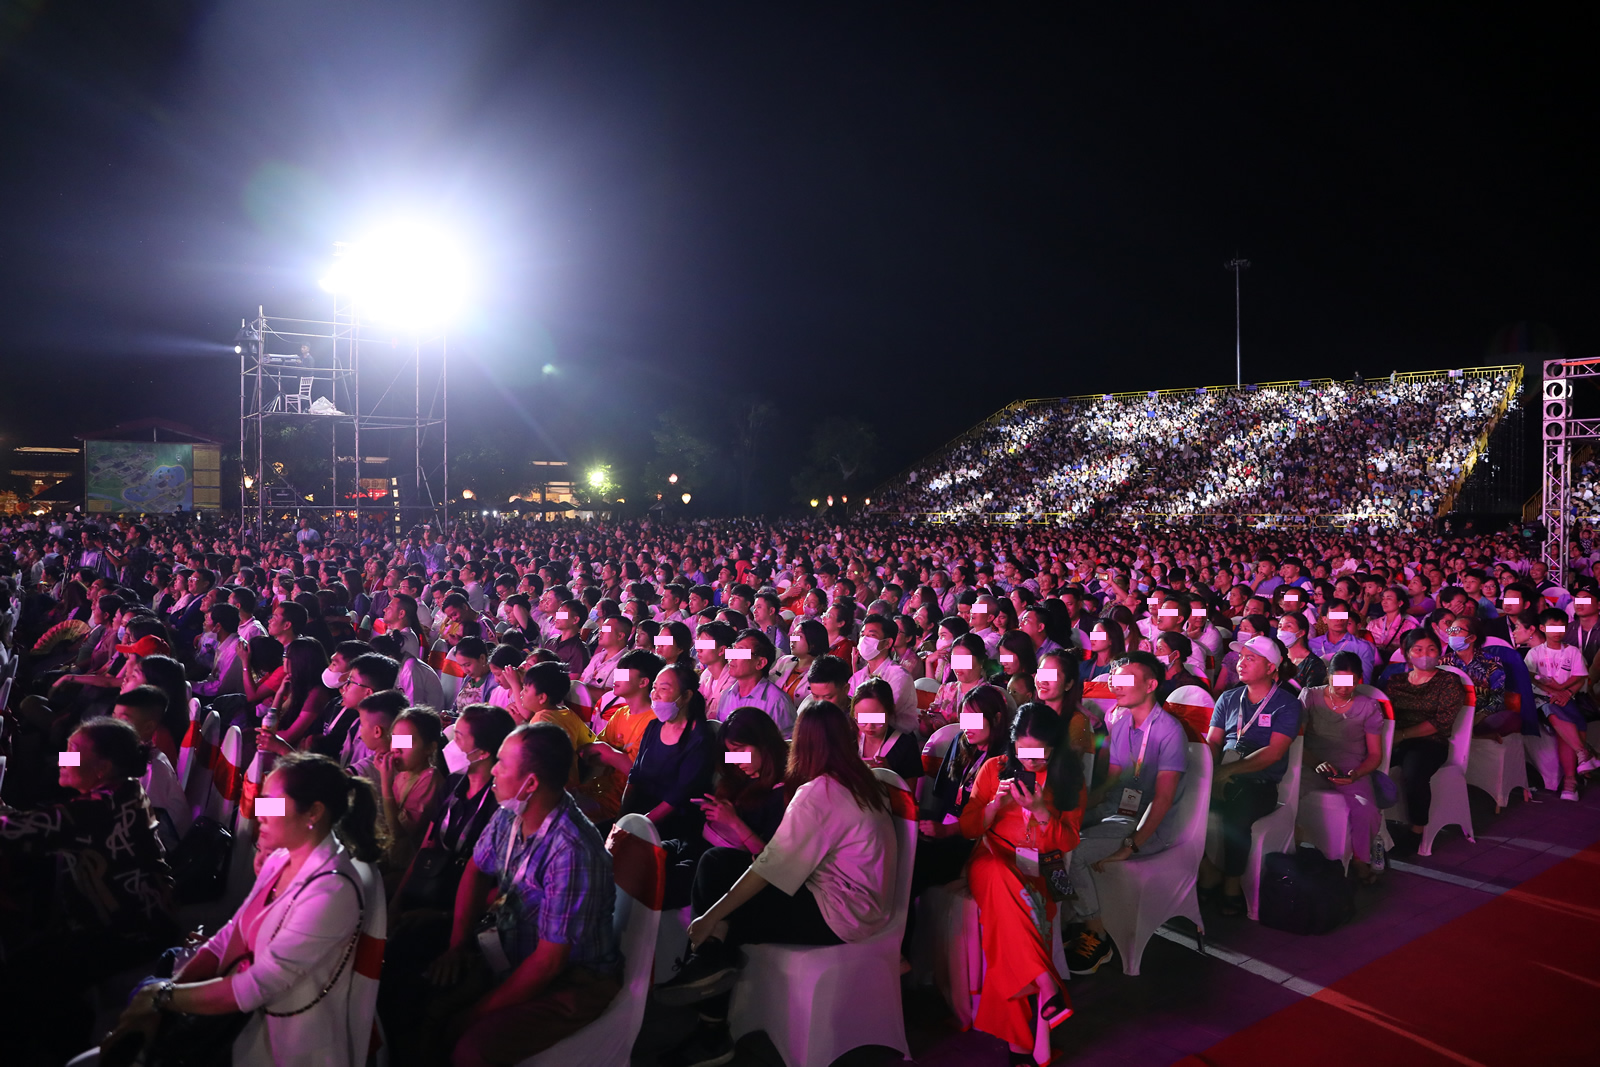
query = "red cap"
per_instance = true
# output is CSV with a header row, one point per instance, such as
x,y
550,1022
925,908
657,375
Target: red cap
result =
x,y
148,645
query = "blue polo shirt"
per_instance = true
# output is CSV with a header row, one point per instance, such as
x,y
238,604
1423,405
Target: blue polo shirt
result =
x,y
1234,707
1167,750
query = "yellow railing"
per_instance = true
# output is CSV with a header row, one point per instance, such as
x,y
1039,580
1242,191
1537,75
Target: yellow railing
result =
x,y
1481,445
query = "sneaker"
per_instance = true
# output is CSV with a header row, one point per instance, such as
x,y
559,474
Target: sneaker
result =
x,y
708,1046
1569,791
708,971
1589,765
1088,952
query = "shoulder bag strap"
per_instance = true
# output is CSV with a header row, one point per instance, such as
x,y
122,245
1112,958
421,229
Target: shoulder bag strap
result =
x,y
349,950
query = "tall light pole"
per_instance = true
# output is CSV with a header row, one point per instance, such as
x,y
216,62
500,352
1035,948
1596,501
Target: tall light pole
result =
x,y
1237,265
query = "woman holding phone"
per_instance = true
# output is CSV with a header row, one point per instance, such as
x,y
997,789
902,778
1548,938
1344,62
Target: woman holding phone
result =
x,y
1026,807
1344,745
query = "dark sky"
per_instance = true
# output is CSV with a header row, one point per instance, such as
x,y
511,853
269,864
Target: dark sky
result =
x,y
907,212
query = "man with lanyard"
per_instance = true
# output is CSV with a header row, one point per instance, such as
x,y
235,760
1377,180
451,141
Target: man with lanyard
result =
x,y
549,965
1257,720
1127,816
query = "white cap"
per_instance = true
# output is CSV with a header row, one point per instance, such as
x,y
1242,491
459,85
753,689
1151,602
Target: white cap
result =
x,y
1264,647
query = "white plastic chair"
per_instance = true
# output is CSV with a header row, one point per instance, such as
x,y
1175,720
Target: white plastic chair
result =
x,y
195,757
1449,788
367,966
227,777
817,1003
1273,832
1142,892
927,689
1499,768
639,867
1544,752
1324,820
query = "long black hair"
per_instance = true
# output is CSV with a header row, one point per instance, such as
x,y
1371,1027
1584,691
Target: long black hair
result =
x,y
1064,772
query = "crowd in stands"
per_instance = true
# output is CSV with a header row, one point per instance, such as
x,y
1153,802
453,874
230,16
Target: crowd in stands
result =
x,y
1385,451
448,727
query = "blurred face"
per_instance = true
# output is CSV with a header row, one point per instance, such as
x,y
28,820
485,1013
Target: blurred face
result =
x,y
979,735
965,665
1136,690
871,708
1009,663
291,829
746,668
706,657
1051,680
90,774
1033,764
751,769
415,758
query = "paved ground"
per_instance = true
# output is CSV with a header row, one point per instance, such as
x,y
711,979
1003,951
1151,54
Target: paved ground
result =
x,y
1185,1001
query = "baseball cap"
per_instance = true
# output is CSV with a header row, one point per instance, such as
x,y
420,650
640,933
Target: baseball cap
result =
x,y
1264,647
148,645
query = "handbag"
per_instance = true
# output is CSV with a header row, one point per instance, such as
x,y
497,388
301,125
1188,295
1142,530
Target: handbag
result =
x,y
1384,791
185,1040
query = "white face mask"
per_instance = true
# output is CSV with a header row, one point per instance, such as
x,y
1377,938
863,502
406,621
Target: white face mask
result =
x,y
456,759
332,678
944,642
869,647
517,805
665,709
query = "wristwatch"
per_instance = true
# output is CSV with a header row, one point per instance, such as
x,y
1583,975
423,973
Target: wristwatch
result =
x,y
1128,843
164,994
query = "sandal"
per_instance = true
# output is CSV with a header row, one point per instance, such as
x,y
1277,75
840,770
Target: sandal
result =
x,y
1234,905
1055,1011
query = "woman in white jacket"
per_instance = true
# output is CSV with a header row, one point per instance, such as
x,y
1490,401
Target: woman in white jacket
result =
x,y
297,956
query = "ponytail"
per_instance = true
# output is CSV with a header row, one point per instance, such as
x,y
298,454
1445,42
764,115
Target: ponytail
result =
x,y
360,830
351,802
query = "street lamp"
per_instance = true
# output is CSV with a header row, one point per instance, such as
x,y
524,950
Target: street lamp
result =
x,y
686,498
672,479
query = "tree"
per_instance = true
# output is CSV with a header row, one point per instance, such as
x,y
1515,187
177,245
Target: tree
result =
x,y
841,458
682,448
751,417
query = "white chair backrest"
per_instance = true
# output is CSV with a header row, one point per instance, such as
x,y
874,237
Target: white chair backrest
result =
x,y
1195,804
927,685
1289,784
1461,737
1386,742
904,809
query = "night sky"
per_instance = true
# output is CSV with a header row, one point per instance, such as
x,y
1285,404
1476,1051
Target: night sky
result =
x,y
909,213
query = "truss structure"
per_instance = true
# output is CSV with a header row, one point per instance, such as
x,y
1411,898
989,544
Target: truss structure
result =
x,y
1560,431
376,400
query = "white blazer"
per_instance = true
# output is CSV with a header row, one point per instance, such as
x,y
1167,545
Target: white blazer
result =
x,y
304,935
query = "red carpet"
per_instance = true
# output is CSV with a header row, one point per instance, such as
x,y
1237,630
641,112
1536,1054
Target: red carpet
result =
x,y
1512,982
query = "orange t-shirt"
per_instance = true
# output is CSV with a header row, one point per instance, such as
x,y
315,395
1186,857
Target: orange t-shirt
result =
x,y
625,730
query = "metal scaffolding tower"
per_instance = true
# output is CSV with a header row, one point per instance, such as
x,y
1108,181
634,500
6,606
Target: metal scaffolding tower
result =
x,y
383,397
1560,431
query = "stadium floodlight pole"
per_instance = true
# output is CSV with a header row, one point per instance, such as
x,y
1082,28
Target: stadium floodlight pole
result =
x,y
1236,265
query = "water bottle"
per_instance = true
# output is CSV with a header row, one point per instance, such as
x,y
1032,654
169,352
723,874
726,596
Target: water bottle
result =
x,y
1377,853
269,722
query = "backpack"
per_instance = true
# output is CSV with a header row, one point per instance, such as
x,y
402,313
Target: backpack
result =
x,y
1304,892
200,862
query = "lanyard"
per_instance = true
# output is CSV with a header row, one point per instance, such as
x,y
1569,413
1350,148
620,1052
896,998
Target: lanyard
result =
x,y
1260,709
527,857
1138,762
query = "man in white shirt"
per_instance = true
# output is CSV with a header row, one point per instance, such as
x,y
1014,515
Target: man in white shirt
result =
x,y
227,673
611,642
749,659
874,647
142,708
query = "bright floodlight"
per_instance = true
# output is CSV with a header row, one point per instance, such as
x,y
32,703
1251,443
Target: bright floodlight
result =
x,y
597,477
407,274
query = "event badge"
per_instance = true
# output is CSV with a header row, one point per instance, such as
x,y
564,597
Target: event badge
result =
x,y
1028,862
1130,802
1264,720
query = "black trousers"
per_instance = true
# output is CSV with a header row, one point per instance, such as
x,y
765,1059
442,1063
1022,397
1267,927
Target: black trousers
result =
x,y
1419,758
770,917
1243,801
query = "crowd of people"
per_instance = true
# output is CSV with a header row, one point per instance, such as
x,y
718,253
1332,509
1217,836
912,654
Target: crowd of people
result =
x,y
737,683
1387,451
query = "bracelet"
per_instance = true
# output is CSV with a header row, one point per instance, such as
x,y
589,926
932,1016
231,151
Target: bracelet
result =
x,y
165,991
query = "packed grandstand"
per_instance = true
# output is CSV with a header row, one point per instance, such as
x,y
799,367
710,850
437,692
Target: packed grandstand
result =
x,y
1389,452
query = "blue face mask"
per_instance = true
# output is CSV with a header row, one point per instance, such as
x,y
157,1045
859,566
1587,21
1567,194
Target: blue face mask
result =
x,y
1457,641
664,709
